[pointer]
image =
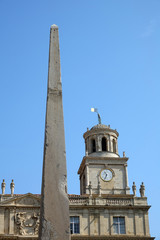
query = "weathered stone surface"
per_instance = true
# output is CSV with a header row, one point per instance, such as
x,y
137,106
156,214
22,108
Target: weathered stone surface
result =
x,y
54,222
20,219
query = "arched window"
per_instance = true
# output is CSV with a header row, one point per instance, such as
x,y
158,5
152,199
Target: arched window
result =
x,y
114,146
104,144
93,145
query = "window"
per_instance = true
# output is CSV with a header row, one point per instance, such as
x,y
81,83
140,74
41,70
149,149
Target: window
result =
x,y
74,225
93,145
119,225
104,144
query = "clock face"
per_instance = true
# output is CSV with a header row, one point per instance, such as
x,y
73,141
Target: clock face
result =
x,y
106,175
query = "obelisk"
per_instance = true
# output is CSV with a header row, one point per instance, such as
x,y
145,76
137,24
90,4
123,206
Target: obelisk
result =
x,y
54,219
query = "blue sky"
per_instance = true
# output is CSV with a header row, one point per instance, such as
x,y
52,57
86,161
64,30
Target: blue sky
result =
x,y
110,57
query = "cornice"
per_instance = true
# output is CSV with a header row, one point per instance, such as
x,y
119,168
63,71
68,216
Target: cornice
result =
x,y
109,237
84,206
98,158
146,208
19,206
81,237
16,237
100,129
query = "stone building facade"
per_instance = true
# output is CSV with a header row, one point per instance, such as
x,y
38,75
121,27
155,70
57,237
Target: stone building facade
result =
x,y
105,208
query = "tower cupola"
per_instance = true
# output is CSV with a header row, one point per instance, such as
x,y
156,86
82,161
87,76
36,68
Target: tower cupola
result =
x,y
102,141
102,170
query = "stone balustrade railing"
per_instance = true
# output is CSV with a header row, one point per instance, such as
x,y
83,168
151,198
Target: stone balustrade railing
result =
x,y
80,200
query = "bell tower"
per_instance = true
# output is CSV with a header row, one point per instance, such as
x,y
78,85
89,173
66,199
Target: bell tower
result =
x,y
102,170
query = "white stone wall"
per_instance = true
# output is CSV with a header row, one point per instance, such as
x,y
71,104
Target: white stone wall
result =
x,y
100,221
92,170
95,213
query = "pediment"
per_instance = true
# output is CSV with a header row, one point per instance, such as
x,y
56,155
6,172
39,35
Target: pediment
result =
x,y
23,200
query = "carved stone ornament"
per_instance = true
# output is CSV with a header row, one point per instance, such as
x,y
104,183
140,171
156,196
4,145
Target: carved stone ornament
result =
x,y
27,223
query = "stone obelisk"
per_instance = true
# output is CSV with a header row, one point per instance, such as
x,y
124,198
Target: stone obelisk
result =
x,y
54,220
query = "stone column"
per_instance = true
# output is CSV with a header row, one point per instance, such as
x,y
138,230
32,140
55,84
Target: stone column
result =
x,y
108,147
99,143
54,219
109,143
87,146
116,146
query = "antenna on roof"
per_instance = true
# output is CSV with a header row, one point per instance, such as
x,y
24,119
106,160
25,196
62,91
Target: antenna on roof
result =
x,y
96,110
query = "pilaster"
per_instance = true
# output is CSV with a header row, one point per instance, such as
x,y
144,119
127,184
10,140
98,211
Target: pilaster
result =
x,y
110,224
139,223
11,220
84,224
146,223
1,220
126,179
87,174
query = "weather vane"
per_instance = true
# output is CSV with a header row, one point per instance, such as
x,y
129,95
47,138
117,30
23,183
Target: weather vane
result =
x,y
96,110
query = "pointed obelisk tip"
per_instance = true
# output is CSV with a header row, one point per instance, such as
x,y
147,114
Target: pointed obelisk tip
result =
x,y
54,26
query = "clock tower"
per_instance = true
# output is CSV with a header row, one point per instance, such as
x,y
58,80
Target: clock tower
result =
x,y
102,170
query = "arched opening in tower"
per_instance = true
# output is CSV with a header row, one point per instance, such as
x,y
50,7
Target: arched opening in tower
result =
x,y
93,145
104,144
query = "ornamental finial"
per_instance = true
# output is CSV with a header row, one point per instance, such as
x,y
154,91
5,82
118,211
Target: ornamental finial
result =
x,y
12,185
3,187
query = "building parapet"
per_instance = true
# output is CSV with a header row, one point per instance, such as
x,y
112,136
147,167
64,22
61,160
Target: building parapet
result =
x,y
107,200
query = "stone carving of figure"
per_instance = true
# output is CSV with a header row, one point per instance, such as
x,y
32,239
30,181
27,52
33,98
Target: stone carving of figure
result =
x,y
19,219
142,190
134,188
37,219
99,188
90,188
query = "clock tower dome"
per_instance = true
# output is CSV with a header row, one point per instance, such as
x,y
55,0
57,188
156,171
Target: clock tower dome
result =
x,y
102,170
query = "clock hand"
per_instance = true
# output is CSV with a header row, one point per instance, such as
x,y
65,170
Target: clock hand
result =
x,y
105,176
